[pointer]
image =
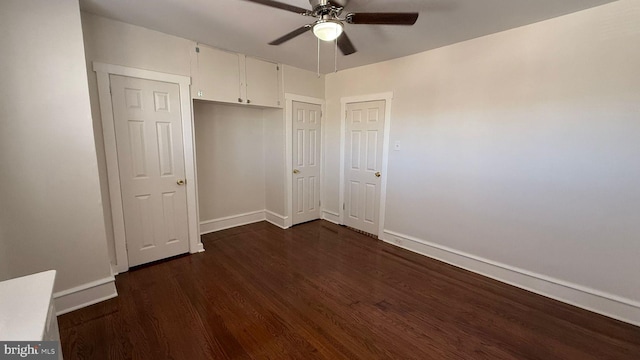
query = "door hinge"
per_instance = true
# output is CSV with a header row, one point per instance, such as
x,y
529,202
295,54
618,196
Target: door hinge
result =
x,y
197,49
343,206
277,67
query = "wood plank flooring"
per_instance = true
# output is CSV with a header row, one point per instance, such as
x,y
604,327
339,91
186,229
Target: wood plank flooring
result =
x,y
321,291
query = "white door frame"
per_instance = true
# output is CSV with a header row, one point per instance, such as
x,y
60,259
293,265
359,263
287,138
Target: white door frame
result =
x,y
288,169
103,71
386,97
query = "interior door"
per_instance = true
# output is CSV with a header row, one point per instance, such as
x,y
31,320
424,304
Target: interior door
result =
x,y
147,119
363,162
306,162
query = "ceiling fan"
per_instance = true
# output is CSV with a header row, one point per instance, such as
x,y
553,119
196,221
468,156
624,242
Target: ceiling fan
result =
x,y
329,26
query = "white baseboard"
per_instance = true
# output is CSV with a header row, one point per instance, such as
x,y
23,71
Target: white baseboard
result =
x,y
85,295
231,221
199,249
276,219
331,216
610,305
228,222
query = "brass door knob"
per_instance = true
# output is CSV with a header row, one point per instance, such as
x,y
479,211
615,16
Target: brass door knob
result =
x,y
180,182
377,174
296,171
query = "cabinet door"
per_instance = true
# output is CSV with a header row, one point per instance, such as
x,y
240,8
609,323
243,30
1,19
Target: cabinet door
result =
x,y
262,82
218,77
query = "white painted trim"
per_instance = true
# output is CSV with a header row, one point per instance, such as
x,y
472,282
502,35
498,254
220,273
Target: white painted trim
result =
x,y
113,173
600,302
193,207
189,140
140,73
331,216
386,97
85,295
288,133
232,221
228,222
103,71
276,219
114,271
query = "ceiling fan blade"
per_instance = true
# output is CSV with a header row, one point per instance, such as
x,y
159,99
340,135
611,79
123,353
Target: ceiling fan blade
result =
x,y
291,35
345,45
382,18
283,6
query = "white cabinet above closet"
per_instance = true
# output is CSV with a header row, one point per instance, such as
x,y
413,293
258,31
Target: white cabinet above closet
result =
x,y
216,75
235,78
262,82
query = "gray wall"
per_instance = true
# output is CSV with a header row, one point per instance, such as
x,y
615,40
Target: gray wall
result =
x,y
229,147
519,147
51,212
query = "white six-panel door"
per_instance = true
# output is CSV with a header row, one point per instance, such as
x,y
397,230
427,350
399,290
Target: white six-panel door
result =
x,y
306,162
147,119
363,163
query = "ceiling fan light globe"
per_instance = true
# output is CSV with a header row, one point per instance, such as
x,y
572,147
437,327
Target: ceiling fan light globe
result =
x,y
327,30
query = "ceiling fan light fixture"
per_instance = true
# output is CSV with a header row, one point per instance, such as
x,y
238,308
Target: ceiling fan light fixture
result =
x,y
327,30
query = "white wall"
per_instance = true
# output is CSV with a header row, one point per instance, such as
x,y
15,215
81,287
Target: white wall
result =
x,y
519,147
274,161
118,43
229,146
51,213
303,82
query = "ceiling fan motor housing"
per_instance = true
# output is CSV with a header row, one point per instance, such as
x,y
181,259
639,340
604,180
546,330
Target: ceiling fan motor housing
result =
x,y
335,3
325,9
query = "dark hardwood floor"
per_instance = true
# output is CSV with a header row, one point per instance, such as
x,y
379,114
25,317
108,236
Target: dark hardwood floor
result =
x,y
321,291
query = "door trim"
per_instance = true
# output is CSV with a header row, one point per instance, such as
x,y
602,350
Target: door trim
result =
x,y
103,71
288,169
386,97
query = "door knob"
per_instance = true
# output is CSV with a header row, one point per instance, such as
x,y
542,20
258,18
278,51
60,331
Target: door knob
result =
x,y
377,174
296,171
180,182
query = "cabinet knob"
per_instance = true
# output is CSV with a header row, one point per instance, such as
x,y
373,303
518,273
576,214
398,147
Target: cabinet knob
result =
x,y
248,101
239,100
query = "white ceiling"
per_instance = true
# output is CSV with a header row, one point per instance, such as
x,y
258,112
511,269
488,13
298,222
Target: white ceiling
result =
x,y
247,28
